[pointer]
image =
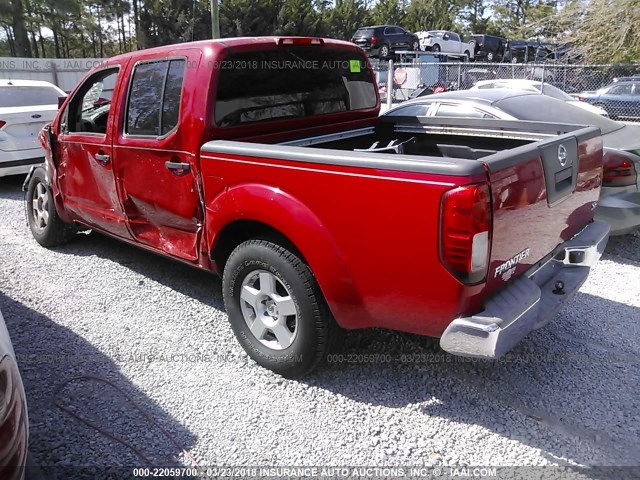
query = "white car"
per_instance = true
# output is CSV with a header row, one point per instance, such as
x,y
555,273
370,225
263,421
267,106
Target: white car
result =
x,y
538,87
443,41
25,107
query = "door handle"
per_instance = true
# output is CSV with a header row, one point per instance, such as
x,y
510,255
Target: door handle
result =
x,y
102,158
178,168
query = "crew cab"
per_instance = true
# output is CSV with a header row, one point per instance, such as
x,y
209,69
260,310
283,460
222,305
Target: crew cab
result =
x,y
264,160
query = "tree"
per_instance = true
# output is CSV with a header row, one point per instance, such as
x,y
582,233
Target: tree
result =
x,y
432,15
298,17
604,30
392,12
246,17
346,17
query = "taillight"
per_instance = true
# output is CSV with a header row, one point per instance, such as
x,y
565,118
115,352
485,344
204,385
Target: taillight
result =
x,y
618,170
2,123
465,231
300,41
374,40
13,421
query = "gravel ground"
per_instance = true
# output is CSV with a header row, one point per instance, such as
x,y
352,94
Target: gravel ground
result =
x,y
567,396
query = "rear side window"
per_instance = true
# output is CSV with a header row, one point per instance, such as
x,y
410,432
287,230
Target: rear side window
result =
x,y
291,82
458,111
12,96
154,98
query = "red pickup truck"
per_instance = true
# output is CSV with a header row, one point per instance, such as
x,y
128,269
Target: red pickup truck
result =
x,y
264,160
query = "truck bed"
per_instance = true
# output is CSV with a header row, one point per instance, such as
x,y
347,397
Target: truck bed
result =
x,y
537,204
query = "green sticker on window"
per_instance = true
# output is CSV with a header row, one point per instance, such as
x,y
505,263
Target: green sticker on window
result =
x,y
354,66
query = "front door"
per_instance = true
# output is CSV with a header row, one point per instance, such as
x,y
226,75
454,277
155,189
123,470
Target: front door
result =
x,y
84,148
155,167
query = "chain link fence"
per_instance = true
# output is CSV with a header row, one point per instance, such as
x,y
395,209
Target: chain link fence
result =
x,y
587,83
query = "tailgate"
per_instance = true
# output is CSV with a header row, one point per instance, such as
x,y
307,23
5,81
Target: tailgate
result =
x,y
542,195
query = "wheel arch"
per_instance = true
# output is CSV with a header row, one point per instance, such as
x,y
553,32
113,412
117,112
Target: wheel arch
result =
x,y
250,211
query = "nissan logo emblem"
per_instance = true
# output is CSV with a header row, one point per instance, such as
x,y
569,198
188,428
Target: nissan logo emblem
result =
x,y
562,155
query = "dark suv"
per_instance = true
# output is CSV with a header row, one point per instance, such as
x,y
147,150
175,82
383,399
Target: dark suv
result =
x,y
488,48
383,40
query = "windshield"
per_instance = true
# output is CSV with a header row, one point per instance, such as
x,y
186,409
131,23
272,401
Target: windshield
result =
x,y
554,92
547,109
12,96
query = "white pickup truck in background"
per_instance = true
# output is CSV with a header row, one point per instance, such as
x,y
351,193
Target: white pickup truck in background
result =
x,y
444,41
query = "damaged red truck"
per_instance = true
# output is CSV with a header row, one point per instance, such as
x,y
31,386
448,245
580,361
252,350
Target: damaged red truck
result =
x,y
264,160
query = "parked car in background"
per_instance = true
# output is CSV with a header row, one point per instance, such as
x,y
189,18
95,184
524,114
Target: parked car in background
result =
x,y
519,51
630,78
443,41
619,203
489,48
538,87
384,40
621,100
14,421
25,107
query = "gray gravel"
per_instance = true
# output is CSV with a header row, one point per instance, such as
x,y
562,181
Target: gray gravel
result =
x,y
567,395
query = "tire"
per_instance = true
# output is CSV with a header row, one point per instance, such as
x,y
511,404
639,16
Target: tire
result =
x,y
435,48
384,51
416,46
490,56
467,56
276,309
47,227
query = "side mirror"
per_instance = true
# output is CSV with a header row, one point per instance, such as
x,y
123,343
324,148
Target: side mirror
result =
x,y
61,101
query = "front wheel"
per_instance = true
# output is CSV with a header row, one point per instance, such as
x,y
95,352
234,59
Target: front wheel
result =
x,y
47,227
276,309
435,48
416,46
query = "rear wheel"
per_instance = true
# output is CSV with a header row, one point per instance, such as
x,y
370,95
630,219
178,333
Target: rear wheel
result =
x,y
46,226
490,56
276,308
435,48
384,51
467,56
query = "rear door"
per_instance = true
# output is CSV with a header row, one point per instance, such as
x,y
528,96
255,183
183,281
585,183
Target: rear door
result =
x,y
155,169
84,149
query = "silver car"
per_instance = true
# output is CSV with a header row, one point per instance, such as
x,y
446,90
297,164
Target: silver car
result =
x,y
620,195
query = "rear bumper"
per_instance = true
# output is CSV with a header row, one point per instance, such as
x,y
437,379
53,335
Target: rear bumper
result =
x,y
529,302
620,209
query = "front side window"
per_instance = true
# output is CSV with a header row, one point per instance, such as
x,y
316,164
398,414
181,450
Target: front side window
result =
x,y
154,98
291,82
89,109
